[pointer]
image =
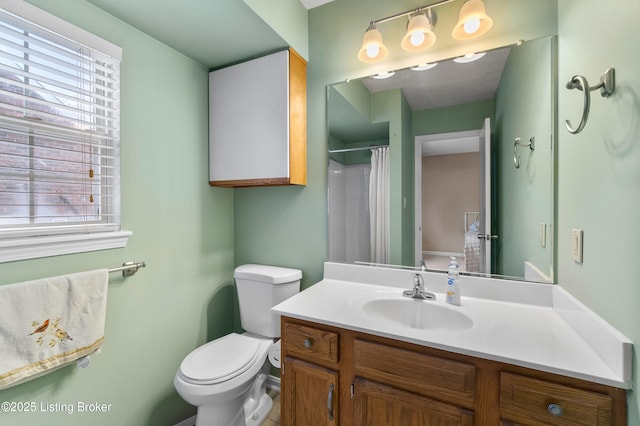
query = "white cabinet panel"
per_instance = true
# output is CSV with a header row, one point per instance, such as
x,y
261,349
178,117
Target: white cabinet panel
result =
x,y
250,138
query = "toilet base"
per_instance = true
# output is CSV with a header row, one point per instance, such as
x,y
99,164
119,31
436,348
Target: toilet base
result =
x,y
260,414
258,405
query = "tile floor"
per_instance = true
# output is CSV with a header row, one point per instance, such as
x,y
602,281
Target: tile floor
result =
x,y
274,417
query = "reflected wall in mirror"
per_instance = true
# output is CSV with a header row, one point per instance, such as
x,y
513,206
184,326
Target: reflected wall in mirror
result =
x,y
432,121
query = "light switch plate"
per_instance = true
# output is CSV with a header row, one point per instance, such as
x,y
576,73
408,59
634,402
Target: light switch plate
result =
x,y
576,245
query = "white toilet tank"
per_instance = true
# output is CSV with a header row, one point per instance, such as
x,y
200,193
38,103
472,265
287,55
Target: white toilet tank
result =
x,y
260,287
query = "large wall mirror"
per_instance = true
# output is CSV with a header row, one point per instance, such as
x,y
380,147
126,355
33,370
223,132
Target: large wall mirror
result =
x,y
466,151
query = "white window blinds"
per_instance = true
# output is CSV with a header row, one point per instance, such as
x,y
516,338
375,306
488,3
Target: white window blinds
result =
x,y
59,132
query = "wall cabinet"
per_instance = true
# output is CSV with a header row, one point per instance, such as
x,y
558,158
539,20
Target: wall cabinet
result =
x,y
381,382
257,122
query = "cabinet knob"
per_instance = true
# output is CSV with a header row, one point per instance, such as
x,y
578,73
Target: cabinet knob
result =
x,y
307,343
555,410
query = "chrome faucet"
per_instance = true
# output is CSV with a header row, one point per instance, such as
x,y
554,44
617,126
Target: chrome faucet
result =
x,y
418,291
423,265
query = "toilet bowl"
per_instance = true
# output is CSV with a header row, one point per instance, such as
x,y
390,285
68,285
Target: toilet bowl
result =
x,y
221,376
226,378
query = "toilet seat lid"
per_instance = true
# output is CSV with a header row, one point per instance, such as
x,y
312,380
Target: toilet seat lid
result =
x,y
221,359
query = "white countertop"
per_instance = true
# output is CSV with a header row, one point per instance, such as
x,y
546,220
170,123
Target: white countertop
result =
x,y
553,333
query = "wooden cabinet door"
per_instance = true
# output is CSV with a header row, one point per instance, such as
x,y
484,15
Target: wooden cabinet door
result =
x,y
310,395
381,405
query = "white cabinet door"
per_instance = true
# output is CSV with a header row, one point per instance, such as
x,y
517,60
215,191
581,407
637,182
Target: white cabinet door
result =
x,y
249,120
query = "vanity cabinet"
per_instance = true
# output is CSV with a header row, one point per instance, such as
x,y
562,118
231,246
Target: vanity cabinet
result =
x,y
310,396
257,122
380,381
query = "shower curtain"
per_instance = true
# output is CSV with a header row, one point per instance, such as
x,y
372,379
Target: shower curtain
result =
x,y
379,205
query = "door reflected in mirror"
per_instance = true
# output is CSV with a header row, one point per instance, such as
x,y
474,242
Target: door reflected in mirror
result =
x,y
448,195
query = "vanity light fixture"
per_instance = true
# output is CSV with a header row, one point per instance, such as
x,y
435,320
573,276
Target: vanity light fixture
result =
x,y
373,49
383,75
469,57
473,21
423,67
419,34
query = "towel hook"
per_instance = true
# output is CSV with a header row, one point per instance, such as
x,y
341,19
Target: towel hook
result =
x,y
606,86
516,157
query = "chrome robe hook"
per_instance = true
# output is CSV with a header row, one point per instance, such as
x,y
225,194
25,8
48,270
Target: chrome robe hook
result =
x,y
606,86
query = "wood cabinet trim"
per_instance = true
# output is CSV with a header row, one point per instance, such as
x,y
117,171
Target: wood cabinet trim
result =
x,y
297,119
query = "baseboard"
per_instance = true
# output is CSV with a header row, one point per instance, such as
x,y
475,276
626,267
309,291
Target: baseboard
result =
x,y
273,382
442,253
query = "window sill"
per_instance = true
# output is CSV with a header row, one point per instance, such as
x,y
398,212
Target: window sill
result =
x,y
36,247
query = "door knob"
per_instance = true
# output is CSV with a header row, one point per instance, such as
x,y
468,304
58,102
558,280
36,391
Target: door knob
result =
x,y
487,237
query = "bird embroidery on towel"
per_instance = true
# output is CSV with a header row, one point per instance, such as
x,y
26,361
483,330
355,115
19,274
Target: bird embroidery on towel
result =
x,y
41,328
60,334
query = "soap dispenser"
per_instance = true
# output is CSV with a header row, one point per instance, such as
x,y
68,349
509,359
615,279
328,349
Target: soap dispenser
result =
x,y
453,277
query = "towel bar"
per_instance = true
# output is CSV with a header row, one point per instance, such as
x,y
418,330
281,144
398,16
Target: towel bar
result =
x,y
128,268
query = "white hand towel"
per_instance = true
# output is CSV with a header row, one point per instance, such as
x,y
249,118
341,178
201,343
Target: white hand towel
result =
x,y
48,323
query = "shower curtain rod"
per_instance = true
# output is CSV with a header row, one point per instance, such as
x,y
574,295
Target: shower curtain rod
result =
x,y
362,148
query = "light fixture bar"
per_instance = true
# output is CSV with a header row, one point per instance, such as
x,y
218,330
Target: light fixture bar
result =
x,y
473,21
409,12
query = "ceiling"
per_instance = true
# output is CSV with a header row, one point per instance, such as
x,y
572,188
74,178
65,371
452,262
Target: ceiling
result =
x,y
447,84
220,32
205,30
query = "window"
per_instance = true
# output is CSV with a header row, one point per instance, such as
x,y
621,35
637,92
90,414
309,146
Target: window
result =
x,y
59,136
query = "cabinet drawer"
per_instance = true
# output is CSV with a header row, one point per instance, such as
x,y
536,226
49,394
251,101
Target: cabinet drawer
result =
x,y
413,371
312,344
528,401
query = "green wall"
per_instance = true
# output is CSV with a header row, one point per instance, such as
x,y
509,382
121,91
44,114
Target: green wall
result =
x,y
287,18
181,227
599,168
458,118
524,109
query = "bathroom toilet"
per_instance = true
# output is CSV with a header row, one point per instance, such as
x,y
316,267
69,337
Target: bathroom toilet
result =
x,y
226,378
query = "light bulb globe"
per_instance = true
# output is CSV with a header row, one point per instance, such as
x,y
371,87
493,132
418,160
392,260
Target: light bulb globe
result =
x,y
471,25
417,38
419,35
473,21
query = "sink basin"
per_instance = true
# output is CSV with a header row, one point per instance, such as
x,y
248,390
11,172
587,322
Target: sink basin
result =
x,y
414,313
